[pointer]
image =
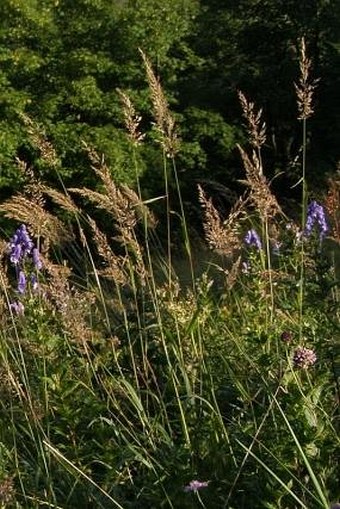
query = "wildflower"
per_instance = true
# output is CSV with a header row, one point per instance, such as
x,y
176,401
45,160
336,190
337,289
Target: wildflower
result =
x,y
195,486
34,282
15,254
36,259
335,506
17,307
286,336
22,282
304,357
252,239
20,245
316,216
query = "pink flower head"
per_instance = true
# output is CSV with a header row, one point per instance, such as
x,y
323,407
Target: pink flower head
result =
x,y
195,485
304,357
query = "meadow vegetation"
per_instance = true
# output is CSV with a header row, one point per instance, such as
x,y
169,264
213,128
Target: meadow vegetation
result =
x,y
124,386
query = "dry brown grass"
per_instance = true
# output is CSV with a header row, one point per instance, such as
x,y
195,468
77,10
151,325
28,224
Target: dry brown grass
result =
x,y
222,236
113,264
39,140
40,223
72,305
127,210
29,207
255,126
260,194
131,119
63,200
306,86
165,121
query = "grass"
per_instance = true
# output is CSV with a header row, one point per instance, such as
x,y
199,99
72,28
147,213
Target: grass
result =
x,y
123,387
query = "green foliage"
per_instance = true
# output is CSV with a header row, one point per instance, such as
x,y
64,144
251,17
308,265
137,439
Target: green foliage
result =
x,y
122,384
61,63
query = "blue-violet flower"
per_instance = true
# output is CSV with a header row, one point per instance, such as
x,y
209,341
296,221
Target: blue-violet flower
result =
x,y
252,239
20,245
22,282
316,216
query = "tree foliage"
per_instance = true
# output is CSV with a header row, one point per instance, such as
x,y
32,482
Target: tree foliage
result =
x,y
61,62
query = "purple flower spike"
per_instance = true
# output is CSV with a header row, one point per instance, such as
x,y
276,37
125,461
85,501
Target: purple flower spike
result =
x,y
20,245
304,357
17,307
316,216
195,486
21,282
252,239
15,254
36,259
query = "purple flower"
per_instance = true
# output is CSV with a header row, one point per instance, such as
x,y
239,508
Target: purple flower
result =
x,y
34,282
36,259
286,336
252,239
15,254
21,282
316,216
17,307
20,245
304,357
195,486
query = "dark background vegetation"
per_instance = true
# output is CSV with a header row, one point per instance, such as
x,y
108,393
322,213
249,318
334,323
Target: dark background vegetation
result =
x,y
61,62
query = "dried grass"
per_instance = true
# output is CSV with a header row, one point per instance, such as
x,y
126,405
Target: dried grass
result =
x,y
126,208
132,120
39,140
255,126
73,306
40,223
165,121
114,264
223,237
260,194
305,88
63,200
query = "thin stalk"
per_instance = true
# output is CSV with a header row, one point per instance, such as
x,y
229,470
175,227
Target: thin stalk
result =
x,y
269,268
184,224
168,220
303,223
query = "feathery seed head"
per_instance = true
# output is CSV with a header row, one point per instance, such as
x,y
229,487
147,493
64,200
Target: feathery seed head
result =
x,y
305,88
